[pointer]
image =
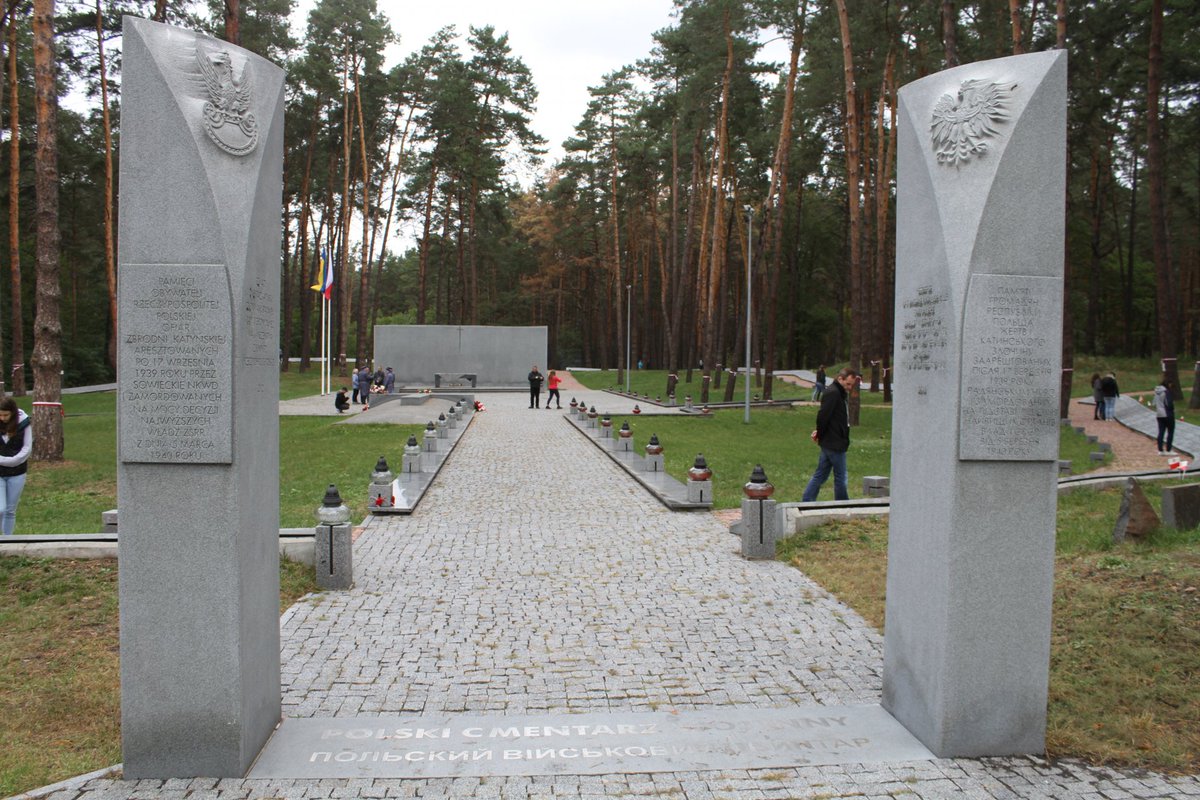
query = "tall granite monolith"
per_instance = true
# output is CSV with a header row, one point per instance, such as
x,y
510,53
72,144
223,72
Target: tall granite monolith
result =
x,y
978,337
198,429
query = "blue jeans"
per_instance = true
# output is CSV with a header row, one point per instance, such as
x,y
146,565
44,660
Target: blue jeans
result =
x,y
1110,408
10,495
829,460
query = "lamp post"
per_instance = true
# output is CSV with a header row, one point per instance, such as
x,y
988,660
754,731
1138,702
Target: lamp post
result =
x,y
628,318
749,263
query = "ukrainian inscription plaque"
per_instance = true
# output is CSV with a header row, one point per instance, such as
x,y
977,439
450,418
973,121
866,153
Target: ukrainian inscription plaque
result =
x,y
176,364
1009,376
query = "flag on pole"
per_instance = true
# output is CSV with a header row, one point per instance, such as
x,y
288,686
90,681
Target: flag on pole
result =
x,y
325,276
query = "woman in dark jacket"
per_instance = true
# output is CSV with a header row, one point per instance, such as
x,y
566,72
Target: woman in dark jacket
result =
x,y
16,442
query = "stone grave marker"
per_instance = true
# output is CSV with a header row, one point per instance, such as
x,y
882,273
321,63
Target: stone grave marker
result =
x,y
198,449
1181,506
978,332
1136,519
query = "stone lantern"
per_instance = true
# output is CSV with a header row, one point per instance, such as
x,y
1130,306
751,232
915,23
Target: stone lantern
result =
x,y
443,430
606,427
625,439
412,456
654,456
759,524
332,557
699,481
430,439
380,493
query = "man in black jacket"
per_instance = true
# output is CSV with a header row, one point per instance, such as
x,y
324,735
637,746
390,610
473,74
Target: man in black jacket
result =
x,y
535,388
833,435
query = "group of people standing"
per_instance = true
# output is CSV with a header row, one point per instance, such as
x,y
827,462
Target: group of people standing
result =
x,y
1105,392
363,384
535,388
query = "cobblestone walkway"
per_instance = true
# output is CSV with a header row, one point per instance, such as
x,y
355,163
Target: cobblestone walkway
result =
x,y
536,577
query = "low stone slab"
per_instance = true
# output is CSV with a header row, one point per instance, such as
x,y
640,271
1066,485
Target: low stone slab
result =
x,y
1181,506
584,744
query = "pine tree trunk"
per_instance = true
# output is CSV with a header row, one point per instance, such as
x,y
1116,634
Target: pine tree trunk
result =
x,y
110,269
1158,216
363,349
1014,13
852,202
17,327
47,327
233,30
950,33
342,284
423,258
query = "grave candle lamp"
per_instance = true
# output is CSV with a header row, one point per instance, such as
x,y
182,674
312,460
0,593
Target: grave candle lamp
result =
x,y
383,473
332,510
412,456
758,487
654,448
699,470
759,524
381,485
333,565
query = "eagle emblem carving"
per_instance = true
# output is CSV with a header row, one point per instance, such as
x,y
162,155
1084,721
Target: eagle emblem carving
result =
x,y
963,123
227,117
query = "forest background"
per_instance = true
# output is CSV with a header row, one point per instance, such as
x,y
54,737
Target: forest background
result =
x,y
686,167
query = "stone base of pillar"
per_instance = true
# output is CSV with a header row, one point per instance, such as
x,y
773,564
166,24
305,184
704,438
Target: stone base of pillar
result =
x,y
334,566
758,529
699,491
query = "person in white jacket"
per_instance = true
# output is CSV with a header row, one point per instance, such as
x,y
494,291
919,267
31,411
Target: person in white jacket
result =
x,y
16,443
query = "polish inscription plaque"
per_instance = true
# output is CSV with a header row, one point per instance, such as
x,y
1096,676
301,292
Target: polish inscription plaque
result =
x,y
1011,339
176,370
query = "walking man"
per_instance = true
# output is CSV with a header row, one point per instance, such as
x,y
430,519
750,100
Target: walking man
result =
x,y
535,388
833,436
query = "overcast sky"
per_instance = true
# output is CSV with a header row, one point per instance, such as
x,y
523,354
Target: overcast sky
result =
x,y
568,45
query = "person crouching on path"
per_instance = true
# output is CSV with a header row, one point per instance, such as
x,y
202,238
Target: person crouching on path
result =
x,y
16,443
340,402
833,436
552,381
535,388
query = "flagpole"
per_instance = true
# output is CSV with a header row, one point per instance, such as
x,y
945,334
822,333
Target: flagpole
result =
x,y
325,323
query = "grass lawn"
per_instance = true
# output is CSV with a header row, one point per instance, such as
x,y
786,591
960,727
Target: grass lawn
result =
x,y
653,382
60,701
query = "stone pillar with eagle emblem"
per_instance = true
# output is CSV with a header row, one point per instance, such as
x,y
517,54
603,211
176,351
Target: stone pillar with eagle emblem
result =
x,y
197,422
981,186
